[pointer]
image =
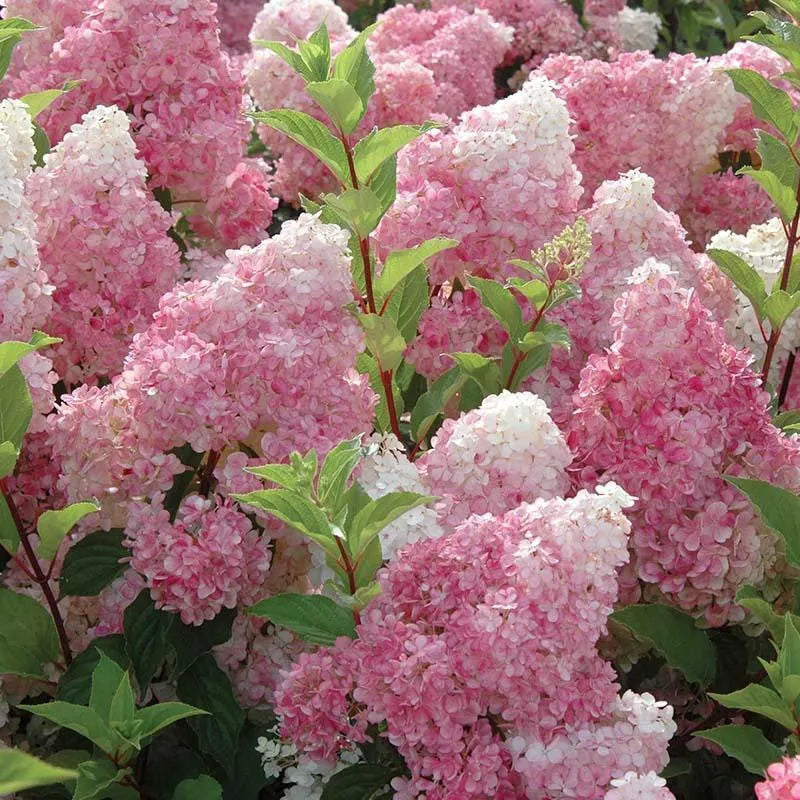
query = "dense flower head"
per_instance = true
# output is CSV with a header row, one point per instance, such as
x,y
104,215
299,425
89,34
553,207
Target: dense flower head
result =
x,y
489,460
501,182
459,48
764,248
208,559
669,407
25,289
638,29
639,787
103,241
236,19
665,116
488,630
161,62
782,782
263,353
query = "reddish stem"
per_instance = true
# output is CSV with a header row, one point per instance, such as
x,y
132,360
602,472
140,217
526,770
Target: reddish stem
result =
x,y
386,380
347,566
38,574
536,320
208,472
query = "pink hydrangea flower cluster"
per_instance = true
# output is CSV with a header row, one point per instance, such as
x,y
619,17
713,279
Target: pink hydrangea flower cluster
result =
x,y
480,651
103,241
208,559
783,781
236,19
666,117
264,353
489,460
458,47
502,182
639,787
669,407
161,62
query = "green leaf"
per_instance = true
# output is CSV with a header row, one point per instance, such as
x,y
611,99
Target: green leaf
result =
x,y
12,352
9,539
779,306
313,617
384,341
501,303
247,778
282,474
676,766
535,291
789,656
353,65
770,104
20,771
745,743
787,419
357,209
201,788
107,677
535,358
751,599
156,718
783,197
53,526
760,700
316,54
146,631
673,634
381,144
296,511
409,299
76,683
85,721
191,641
16,407
93,563
745,277
10,35
28,638
339,100
484,371
384,185
95,777
336,470
9,453
431,404
401,263
379,513
780,510
291,57
204,685
358,782
310,133
39,101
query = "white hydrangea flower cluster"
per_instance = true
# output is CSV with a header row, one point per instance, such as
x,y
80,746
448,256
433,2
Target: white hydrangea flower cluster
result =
x,y
764,247
639,787
638,29
24,287
307,775
506,452
388,470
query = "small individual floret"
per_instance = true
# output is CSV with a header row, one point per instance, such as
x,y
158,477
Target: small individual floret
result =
x,y
210,558
103,241
783,781
506,452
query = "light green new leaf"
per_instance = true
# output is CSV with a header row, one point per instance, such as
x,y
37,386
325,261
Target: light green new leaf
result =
x,y
760,700
9,453
384,341
313,617
789,655
484,371
53,526
310,133
779,306
203,787
95,778
11,352
408,301
779,509
675,635
16,407
500,303
20,771
379,513
336,470
380,144
85,721
358,209
770,104
354,66
744,277
750,598
39,101
28,638
295,511
282,474
107,677
291,57
338,99
747,744
156,718
399,264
